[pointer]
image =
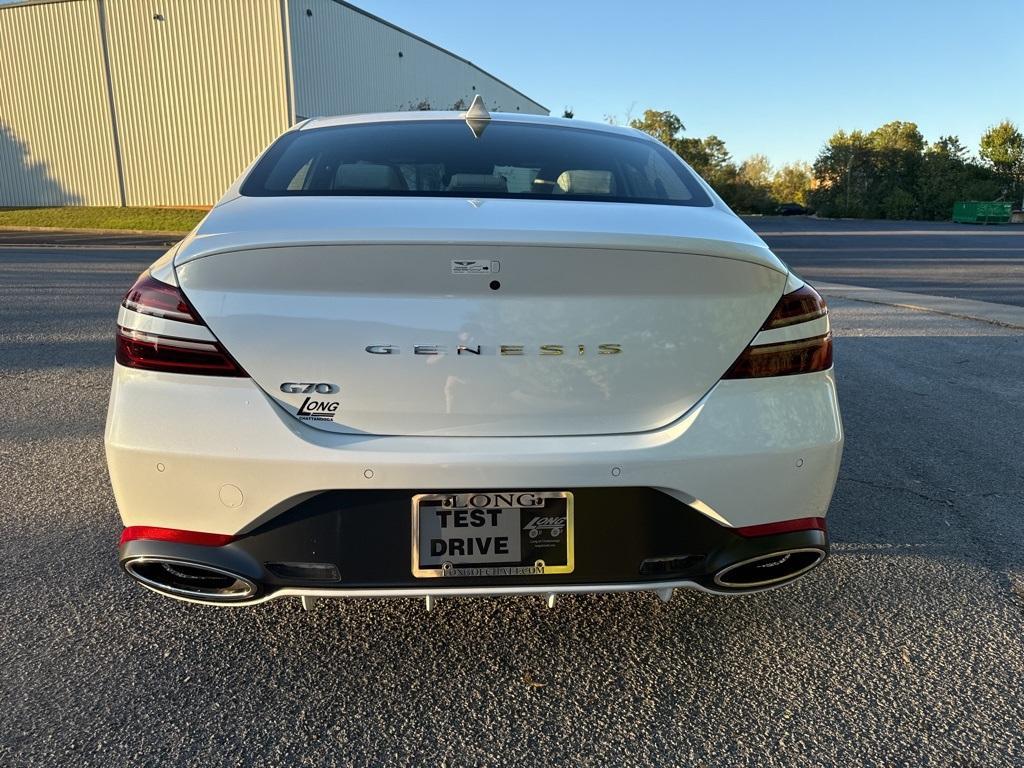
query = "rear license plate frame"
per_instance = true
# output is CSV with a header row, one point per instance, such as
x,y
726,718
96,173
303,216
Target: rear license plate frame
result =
x,y
529,534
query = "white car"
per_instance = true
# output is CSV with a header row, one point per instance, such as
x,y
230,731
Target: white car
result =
x,y
438,353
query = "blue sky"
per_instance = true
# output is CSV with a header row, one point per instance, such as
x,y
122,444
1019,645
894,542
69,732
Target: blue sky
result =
x,y
770,76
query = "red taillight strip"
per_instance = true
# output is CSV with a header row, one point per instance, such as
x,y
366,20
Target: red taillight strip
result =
x,y
194,345
783,359
785,526
135,532
151,352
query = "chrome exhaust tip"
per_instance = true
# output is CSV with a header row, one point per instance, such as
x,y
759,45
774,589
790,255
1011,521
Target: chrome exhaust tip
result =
x,y
195,581
769,569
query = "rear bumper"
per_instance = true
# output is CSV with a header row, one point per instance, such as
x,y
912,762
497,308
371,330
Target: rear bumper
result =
x,y
357,543
217,455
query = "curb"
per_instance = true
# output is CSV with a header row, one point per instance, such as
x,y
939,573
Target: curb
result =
x,y
65,230
1005,315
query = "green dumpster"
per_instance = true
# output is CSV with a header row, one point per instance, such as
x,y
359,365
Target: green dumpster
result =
x,y
980,212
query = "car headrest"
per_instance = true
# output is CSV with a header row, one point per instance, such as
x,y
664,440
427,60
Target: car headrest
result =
x,y
584,183
369,176
477,182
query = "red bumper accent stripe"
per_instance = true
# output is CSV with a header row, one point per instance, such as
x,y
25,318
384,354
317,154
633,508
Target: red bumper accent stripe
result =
x,y
134,532
785,526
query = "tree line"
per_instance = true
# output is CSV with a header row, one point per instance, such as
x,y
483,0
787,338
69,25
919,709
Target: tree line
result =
x,y
890,172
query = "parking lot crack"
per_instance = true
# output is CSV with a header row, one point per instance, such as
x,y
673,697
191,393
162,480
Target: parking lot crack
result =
x,y
900,488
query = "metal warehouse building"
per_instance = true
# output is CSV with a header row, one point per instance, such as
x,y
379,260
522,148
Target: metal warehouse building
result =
x,y
165,102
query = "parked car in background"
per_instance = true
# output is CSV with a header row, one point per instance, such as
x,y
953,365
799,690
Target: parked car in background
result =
x,y
794,209
441,353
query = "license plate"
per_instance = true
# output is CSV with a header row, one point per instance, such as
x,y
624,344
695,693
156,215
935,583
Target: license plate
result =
x,y
506,533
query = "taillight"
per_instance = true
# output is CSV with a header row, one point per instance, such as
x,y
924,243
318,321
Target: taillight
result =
x,y
151,297
799,306
151,351
786,358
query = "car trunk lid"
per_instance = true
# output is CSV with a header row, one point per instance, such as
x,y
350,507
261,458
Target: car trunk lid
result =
x,y
449,330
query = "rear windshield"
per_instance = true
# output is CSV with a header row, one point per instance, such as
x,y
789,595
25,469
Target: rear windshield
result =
x,y
444,158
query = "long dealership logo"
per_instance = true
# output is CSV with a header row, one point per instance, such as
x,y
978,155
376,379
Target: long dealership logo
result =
x,y
504,350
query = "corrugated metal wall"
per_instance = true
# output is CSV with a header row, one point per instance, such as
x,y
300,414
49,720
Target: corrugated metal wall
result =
x,y
195,89
56,139
346,62
199,92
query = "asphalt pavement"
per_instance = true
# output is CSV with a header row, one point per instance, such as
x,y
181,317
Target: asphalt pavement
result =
x,y
905,648
981,262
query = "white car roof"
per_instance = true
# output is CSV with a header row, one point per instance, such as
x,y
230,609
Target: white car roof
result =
x,y
504,117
